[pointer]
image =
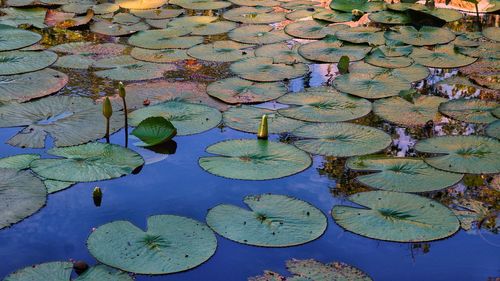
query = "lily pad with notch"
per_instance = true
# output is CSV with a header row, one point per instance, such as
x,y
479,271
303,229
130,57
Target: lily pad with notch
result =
x,y
221,51
412,114
235,90
153,131
263,69
470,110
258,34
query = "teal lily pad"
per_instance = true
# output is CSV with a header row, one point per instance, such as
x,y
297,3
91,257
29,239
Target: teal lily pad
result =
x,y
324,104
395,216
254,15
13,38
412,114
281,53
235,90
153,131
17,62
221,51
170,244
201,4
187,118
493,129
443,56
401,174
331,50
378,58
93,161
264,69
462,154
425,36
470,111
312,29
362,34
390,17
258,34
254,160
362,5
54,186
270,221
341,139
492,33
18,16
18,162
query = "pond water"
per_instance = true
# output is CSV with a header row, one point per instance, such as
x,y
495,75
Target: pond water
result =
x,y
175,184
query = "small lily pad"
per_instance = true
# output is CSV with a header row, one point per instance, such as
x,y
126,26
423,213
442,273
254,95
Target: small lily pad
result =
x,y
402,112
236,90
395,216
470,111
378,58
247,119
271,221
254,160
153,131
333,16
390,17
264,70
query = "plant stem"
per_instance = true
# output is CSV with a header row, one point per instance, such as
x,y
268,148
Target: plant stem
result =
x,y
107,130
126,121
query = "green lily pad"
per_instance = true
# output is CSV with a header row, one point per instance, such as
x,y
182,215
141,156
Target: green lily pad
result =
x,y
362,34
401,174
161,38
75,62
187,118
390,17
370,86
161,249
270,221
341,139
141,4
108,28
201,4
264,70
395,50
221,51
125,18
395,216
378,58
93,161
22,195
154,130
493,129
462,154
254,160
159,56
253,3
254,15
18,162
427,35
191,22
258,34
68,120
331,50
61,271
487,50
126,68
413,73
470,111
323,104
161,13
304,13
443,56
281,53
13,38
332,16
54,186
492,33
447,15
18,16
402,112
312,29
17,62
28,86
247,119
362,5
235,90
214,28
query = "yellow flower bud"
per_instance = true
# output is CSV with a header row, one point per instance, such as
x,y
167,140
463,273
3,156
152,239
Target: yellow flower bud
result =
x,y
107,109
121,90
263,128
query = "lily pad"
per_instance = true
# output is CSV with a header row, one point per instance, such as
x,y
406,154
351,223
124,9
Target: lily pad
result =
x,y
17,62
254,160
362,34
390,17
13,38
18,162
247,119
93,161
331,50
258,34
254,15
443,56
333,16
18,16
61,271
341,139
427,35
378,58
486,50
201,4
221,51
108,28
410,74
362,5
213,28
402,112
161,249
68,120
163,38
140,4
370,86
304,13
401,174
462,154
312,29
281,53
54,186
236,90
395,49
159,56
492,33
161,13
253,3
270,221
323,104
395,216
470,111
153,131
24,87
126,68
22,195
493,129
264,70
187,118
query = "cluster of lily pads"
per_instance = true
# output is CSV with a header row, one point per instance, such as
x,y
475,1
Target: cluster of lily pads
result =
x,y
145,40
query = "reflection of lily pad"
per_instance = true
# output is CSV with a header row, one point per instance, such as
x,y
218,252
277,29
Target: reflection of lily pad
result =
x,y
22,195
248,118
426,35
17,62
254,160
153,131
395,216
323,104
462,154
88,162
401,174
341,139
170,244
471,111
400,111
188,118
236,90
264,70
271,221
221,51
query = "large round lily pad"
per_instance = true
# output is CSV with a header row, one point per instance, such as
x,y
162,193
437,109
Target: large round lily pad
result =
x,y
201,4
331,50
221,51
24,87
258,34
443,56
22,195
126,68
254,15
248,118
187,118
312,29
402,112
390,17
395,216
362,5
17,62
470,111
61,271
13,38
412,73
401,174
427,35
68,120
264,70
323,104
462,154
93,161
170,244
271,221
162,38
370,86
159,56
235,90
140,4
281,53
362,34
254,160
341,139
378,58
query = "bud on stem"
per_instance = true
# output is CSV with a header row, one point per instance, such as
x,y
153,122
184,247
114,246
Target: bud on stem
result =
x,y
263,128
